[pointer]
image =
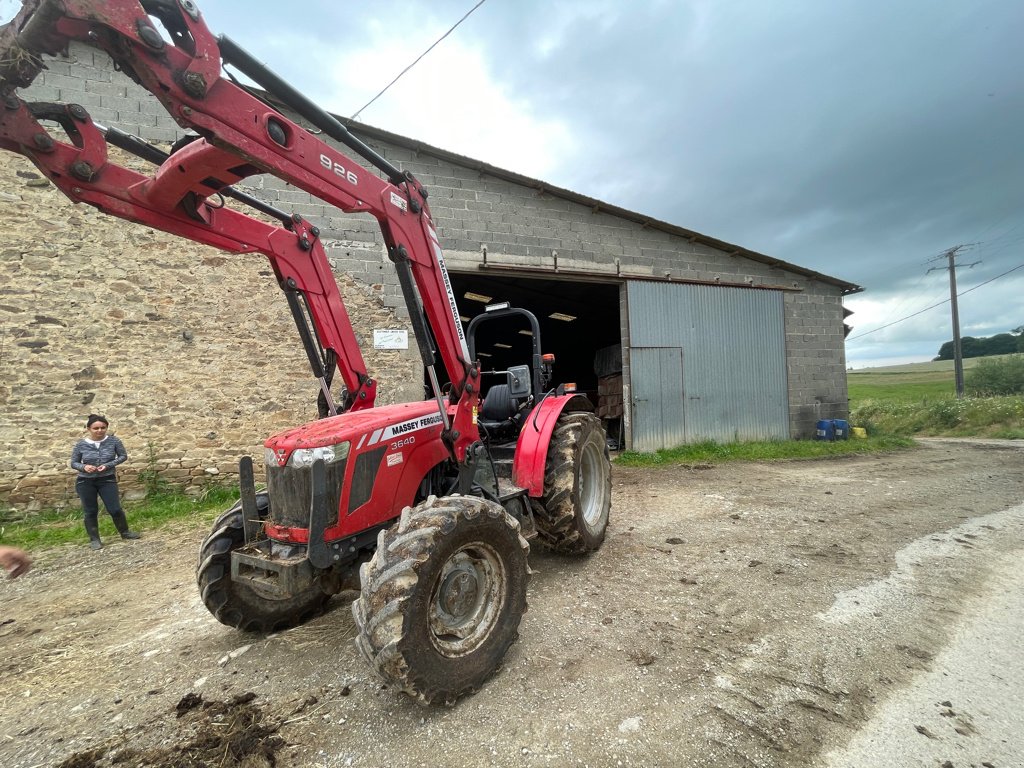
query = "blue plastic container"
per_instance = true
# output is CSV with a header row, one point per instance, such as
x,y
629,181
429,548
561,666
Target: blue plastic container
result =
x,y
842,429
826,430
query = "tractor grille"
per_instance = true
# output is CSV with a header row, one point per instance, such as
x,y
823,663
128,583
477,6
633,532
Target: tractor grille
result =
x,y
291,489
364,475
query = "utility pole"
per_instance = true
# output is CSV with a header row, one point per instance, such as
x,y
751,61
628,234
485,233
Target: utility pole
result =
x,y
958,359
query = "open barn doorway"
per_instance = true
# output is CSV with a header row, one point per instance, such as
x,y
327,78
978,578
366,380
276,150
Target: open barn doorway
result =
x,y
579,324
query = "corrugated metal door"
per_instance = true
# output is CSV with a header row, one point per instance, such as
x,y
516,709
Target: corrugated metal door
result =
x,y
657,397
734,377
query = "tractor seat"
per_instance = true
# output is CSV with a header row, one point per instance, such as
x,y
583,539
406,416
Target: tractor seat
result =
x,y
498,404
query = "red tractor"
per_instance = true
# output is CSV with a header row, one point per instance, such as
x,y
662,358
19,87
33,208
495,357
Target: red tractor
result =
x,y
426,507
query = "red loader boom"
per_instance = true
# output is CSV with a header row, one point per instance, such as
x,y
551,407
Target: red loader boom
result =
x,y
427,504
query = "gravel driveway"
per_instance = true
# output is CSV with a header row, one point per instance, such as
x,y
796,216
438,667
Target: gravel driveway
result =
x,y
738,615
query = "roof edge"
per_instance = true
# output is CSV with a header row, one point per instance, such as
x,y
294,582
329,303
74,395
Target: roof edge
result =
x,y
595,204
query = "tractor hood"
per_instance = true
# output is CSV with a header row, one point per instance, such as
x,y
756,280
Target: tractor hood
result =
x,y
356,427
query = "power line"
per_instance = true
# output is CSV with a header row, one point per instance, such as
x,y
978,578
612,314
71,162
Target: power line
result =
x,y
992,247
897,322
933,306
990,243
999,247
979,285
909,298
442,37
993,224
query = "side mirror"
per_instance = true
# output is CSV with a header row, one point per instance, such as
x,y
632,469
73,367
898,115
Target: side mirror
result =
x,y
519,380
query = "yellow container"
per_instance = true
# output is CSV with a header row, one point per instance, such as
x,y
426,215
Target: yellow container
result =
x,y
859,432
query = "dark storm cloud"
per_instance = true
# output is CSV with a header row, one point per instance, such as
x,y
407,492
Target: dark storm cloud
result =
x,y
837,135
855,138
859,139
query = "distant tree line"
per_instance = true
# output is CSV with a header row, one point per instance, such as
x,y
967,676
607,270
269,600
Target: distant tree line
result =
x,y
1000,344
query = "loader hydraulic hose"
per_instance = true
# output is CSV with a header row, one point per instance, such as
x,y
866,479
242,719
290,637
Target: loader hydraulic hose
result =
x,y
234,54
316,362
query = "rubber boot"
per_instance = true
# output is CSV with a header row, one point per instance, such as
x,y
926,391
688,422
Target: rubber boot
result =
x,y
121,523
92,527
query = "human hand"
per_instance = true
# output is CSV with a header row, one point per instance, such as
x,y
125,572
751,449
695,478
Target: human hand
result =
x,y
14,560
89,468
101,468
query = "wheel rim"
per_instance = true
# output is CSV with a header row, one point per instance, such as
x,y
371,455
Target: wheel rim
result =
x,y
591,483
467,600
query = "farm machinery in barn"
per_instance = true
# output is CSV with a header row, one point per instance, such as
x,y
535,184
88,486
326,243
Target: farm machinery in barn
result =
x,y
426,507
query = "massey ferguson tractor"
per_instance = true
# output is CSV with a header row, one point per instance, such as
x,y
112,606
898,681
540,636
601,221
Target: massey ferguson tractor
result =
x,y
425,507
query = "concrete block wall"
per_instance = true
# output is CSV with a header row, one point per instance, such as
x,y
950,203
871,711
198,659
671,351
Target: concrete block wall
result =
x,y
520,225
816,359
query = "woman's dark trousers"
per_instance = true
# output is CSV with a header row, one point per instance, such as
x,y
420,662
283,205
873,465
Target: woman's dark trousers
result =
x,y
90,490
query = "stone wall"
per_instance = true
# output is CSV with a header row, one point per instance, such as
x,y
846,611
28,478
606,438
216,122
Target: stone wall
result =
x,y
190,352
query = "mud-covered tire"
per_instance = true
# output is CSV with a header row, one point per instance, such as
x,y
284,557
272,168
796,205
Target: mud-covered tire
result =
x,y
572,516
442,598
239,605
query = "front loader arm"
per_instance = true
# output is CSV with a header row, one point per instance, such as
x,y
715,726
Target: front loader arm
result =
x,y
241,135
171,201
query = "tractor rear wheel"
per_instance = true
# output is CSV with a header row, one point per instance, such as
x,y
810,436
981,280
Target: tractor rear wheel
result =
x,y
443,596
240,605
572,516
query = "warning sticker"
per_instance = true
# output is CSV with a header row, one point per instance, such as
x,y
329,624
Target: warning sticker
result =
x,y
394,459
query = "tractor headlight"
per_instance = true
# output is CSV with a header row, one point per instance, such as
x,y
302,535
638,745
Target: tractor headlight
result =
x,y
304,457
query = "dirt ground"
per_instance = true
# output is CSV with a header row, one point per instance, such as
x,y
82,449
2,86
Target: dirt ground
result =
x,y
738,615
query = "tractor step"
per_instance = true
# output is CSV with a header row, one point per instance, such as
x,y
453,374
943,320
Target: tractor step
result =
x,y
508,490
517,503
503,469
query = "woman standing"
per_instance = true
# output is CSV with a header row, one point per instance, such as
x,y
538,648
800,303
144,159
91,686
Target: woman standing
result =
x,y
95,458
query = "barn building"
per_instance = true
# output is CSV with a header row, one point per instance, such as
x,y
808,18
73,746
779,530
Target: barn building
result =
x,y
676,336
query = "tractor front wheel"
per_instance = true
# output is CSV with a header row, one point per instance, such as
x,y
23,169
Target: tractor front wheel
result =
x,y
240,605
443,596
572,516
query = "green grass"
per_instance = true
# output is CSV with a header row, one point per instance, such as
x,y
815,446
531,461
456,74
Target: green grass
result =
x,y
901,387
920,399
52,528
913,382
1001,417
772,450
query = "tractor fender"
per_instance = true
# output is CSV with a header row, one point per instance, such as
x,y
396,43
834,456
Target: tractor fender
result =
x,y
532,447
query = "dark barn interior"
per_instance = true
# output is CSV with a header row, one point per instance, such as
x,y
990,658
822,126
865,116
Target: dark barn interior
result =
x,y
576,320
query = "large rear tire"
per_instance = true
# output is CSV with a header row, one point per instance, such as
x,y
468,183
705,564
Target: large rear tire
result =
x,y
239,605
572,516
443,596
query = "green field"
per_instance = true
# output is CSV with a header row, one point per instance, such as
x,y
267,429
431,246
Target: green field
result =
x,y
900,386
920,399
912,382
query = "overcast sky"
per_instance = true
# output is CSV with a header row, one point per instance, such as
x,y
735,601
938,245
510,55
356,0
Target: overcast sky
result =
x,y
857,138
